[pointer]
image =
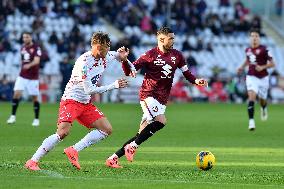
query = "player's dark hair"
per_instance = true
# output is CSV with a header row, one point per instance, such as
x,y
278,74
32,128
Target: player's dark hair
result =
x,y
164,30
254,30
100,38
26,32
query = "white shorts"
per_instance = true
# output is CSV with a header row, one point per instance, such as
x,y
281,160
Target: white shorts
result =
x,y
151,108
259,86
32,86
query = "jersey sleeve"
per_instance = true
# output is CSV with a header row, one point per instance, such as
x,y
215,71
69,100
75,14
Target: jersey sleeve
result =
x,y
268,54
246,56
142,60
111,56
137,64
182,65
90,82
38,52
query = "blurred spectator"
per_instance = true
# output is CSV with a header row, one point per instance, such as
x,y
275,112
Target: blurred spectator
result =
x,y
53,39
66,70
6,90
180,92
65,27
224,3
278,7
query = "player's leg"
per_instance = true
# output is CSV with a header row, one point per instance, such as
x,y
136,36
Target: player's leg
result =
x,y
112,161
154,112
18,90
33,90
251,102
263,109
48,144
262,94
158,123
90,118
36,105
252,84
103,130
68,112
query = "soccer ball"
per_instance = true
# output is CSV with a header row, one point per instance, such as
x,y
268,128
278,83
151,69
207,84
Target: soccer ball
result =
x,y
205,160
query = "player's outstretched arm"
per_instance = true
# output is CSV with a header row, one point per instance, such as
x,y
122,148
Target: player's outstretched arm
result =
x,y
192,79
91,89
242,67
122,56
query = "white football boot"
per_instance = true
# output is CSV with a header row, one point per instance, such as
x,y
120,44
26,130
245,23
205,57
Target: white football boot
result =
x,y
263,114
35,123
251,125
12,119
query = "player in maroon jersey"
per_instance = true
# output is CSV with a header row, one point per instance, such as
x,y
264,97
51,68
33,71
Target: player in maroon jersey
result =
x,y
258,59
28,78
160,64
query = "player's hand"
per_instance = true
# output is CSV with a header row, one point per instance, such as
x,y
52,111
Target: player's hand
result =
x,y
240,70
123,53
27,66
133,73
121,83
259,68
201,82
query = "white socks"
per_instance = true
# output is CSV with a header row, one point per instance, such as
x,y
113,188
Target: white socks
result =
x,y
134,145
113,156
50,142
46,146
91,138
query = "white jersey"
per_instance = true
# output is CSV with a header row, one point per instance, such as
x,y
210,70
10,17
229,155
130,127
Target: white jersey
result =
x,y
86,73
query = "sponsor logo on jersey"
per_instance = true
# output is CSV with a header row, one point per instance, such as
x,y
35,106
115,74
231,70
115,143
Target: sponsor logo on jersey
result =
x,y
167,70
159,62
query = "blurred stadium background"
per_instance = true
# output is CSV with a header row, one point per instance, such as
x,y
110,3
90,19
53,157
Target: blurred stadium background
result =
x,y
211,33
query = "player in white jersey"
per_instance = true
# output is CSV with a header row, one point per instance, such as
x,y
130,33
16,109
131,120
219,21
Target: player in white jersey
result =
x,y
76,101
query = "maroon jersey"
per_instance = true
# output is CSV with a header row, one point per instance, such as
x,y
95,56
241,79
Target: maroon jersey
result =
x,y
27,54
159,73
257,56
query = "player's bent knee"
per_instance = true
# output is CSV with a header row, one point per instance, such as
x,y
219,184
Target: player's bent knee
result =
x,y
108,130
162,120
62,134
63,129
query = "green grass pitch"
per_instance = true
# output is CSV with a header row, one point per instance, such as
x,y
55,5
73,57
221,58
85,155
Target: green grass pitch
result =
x,y
244,159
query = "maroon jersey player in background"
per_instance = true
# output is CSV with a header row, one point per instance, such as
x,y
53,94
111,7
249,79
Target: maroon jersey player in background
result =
x,y
28,78
160,64
259,60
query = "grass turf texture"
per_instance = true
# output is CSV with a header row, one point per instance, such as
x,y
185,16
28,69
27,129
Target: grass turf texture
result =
x,y
244,159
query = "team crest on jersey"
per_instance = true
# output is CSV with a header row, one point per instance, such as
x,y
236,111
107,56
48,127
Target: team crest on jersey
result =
x,y
31,50
257,51
155,109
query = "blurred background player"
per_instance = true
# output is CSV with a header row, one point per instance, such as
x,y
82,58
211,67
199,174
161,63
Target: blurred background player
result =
x,y
28,78
76,101
259,60
160,64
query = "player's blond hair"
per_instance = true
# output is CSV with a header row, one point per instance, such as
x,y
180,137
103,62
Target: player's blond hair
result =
x,y
100,38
